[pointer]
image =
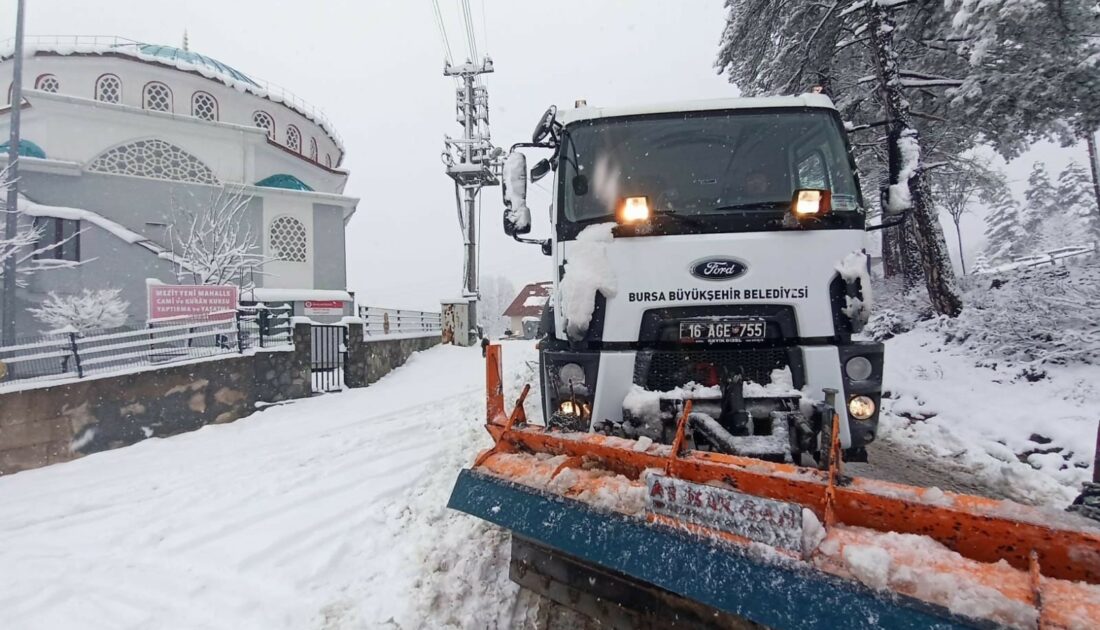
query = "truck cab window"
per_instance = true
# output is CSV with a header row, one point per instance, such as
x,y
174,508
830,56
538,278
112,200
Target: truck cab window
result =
x,y
710,164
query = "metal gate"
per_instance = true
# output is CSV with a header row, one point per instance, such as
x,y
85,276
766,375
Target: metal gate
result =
x,y
329,345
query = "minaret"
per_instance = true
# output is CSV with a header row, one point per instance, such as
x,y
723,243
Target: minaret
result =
x,y
185,46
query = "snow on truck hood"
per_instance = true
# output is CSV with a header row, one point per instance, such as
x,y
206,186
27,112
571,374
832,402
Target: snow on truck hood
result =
x,y
567,116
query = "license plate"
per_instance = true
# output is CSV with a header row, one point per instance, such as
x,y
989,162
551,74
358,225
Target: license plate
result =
x,y
775,523
726,330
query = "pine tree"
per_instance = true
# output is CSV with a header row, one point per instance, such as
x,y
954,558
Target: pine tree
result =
x,y
1076,199
1005,236
1042,217
1032,70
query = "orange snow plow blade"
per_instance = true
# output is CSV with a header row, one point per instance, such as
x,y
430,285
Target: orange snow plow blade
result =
x,y
995,561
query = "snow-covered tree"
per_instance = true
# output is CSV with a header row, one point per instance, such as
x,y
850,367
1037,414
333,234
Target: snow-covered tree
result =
x,y
25,245
1005,236
981,263
90,310
1075,197
215,244
1042,215
956,190
1033,69
497,292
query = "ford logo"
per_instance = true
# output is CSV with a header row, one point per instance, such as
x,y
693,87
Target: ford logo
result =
x,y
718,268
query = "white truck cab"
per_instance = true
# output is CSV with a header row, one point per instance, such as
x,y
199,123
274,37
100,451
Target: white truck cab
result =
x,y
711,251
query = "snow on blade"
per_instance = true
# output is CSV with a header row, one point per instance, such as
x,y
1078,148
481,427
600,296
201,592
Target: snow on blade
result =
x,y
587,270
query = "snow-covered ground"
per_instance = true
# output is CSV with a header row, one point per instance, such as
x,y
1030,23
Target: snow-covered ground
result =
x,y
323,513
329,513
1032,442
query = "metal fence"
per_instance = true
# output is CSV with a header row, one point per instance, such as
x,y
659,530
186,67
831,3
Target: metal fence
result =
x,y
69,354
1054,257
392,321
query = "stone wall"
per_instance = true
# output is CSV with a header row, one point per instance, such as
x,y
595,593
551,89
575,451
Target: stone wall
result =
x,y
51,424
45,425
369,360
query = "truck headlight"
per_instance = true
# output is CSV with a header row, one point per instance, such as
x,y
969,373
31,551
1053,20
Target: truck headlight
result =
x,y
861,407
571,373
858,368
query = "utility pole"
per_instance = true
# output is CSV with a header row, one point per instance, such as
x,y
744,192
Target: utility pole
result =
x,y
473,163
11,217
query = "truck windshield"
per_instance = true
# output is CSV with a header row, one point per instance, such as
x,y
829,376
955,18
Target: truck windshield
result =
x,y
707,163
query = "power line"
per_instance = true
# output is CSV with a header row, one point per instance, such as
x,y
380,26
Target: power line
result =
x,y
442,31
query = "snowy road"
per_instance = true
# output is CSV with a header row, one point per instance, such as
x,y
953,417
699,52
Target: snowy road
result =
x,y
329,514
322,513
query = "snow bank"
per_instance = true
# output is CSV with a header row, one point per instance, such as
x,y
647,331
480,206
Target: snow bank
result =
x,y
587,270
326,512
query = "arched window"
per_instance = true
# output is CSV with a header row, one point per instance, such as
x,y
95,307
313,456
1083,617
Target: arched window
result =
x,y
263,120
156,159
204,106
47,83
313,149
108,88
328,160
293,139
287,236
157,97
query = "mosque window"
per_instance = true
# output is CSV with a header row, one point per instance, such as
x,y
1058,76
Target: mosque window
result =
x,y
288,239
204,106
313,149
157,97
47,83
108,88
263,120
293,139
156,159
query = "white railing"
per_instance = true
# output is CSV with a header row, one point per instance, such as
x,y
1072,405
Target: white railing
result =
x,y
1052,258
68,354
70,44
379,322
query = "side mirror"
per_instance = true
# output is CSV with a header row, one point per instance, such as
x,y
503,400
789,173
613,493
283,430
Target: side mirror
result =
x,y
545,126
541,168
517,216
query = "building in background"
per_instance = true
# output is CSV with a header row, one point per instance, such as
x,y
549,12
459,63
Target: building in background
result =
x,y
123,139
525,311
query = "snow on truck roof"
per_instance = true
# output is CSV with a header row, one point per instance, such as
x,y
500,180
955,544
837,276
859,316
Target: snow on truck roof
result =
x,y
804,100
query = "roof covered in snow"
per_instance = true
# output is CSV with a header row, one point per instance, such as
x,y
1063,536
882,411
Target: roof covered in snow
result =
x,y
530,301
179,58
805,100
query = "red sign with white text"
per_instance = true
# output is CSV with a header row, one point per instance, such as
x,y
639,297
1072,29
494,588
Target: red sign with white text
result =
x,y
175,300
324,307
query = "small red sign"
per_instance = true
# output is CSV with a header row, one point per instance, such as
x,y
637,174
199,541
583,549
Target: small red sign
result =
x,y
175,300
324,304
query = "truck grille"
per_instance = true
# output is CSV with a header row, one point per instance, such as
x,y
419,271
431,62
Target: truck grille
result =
x,y
662,370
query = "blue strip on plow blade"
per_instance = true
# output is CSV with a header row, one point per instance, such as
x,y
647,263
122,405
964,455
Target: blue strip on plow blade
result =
x,y
707,571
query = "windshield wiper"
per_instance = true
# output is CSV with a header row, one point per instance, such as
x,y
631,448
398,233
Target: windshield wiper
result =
x,y
679,218
768,205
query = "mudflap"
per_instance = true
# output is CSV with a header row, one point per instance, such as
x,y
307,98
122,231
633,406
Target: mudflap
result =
x,y
746,582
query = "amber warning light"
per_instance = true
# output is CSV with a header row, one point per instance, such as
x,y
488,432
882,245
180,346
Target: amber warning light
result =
x,y
811,203
634,210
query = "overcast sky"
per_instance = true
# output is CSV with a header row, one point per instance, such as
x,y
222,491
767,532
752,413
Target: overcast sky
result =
x,y
375,66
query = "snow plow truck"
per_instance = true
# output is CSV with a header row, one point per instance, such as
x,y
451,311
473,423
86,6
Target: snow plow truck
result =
x,y
701,387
